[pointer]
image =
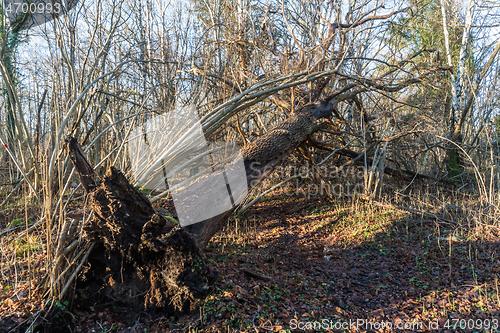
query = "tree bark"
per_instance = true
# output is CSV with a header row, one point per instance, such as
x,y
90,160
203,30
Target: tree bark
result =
x,y
265,154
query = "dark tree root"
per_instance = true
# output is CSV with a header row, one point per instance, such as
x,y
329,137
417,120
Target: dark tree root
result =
x,y
141,261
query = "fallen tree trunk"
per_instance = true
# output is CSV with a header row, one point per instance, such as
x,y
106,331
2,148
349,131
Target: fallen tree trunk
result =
x,y
141,261
264,155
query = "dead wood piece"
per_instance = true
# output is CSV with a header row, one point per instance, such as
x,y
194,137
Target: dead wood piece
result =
x,y
81,164
140,260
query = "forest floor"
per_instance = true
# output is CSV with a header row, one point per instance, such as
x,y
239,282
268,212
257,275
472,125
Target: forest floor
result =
x,y
412,262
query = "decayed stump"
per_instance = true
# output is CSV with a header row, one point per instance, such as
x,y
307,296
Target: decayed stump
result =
x,y
141,261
